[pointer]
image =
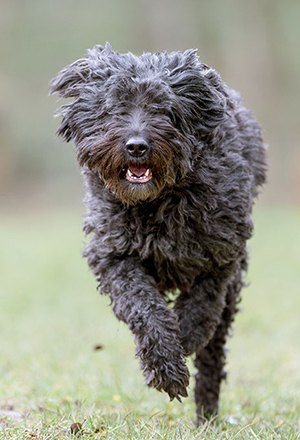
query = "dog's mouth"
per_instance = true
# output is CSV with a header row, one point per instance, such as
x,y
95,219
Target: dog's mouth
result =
x,y
138,173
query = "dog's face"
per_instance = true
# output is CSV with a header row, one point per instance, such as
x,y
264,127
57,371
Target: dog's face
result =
x,y
136,121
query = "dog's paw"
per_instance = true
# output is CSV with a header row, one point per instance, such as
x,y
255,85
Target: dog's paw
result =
x,y
191,338
173,378
189,346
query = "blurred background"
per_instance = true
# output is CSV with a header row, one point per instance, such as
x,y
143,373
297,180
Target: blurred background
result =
x,y
254,45
51,316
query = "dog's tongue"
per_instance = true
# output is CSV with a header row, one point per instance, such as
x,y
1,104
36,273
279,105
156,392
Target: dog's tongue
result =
x,y
138,174
138,170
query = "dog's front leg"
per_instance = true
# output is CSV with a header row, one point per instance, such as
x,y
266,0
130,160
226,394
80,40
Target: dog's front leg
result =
x,y
200,310
137,302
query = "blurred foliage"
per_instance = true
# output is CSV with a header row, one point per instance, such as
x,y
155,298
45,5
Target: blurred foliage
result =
x,y
254,45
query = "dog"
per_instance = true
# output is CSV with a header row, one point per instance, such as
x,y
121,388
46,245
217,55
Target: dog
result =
x,y
172,161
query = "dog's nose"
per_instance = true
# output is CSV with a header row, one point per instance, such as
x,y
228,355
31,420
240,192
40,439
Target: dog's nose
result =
x,y
137,147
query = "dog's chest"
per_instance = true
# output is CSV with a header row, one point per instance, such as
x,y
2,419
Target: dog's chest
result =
x,y
169,245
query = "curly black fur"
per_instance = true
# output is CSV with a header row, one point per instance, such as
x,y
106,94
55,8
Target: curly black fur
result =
x,y
172,161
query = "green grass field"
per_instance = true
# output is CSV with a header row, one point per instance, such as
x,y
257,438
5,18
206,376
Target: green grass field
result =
x,y
52,318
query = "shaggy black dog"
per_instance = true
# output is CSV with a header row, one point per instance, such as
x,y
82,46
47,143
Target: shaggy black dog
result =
x,y
172,161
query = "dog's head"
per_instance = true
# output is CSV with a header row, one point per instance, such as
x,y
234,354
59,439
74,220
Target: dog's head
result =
x,y
138,121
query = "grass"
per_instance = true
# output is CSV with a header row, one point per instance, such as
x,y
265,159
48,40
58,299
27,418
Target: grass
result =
x,y
51,376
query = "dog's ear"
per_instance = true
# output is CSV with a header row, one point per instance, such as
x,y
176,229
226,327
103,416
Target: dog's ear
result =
x,y
201,93
72,81
69,84
69,81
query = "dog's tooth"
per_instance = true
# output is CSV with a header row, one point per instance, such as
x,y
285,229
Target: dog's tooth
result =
x,y
147,172
130,174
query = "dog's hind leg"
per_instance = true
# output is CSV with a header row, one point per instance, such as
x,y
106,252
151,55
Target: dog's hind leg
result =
x,y
210,372
210,360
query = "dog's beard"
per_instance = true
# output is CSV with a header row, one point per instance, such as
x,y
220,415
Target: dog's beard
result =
x,y
132,181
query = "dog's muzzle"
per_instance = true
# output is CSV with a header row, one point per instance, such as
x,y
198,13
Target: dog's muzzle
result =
x,y
138,172
137,147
